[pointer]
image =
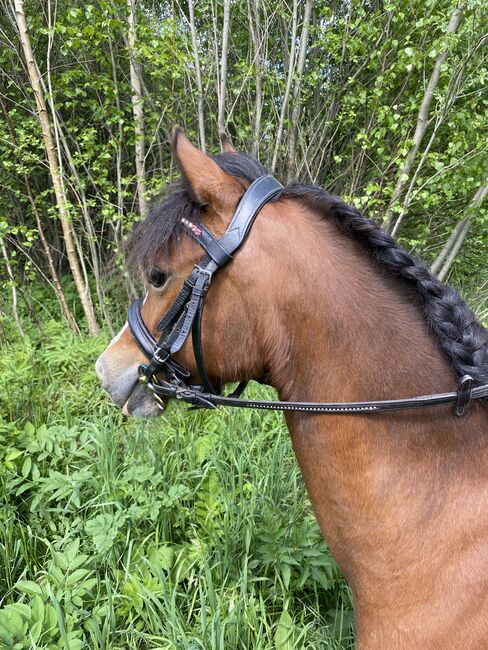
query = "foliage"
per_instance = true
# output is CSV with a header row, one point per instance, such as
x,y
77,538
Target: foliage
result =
x,y
190,532
365,75
195,531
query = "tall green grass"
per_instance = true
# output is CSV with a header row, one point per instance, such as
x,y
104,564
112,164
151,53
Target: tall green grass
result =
x,y
192,531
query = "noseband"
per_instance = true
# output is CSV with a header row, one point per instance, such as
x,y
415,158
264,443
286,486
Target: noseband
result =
x,y
185,315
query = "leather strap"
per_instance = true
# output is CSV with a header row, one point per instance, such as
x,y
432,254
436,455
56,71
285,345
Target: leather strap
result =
x,y
260,192
197,398
147,343
185,313
180,300
141,335
196,334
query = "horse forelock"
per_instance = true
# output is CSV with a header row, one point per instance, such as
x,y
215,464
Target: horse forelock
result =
x,y
160,232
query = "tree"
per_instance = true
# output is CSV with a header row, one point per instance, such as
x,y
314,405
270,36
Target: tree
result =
x,y
54,168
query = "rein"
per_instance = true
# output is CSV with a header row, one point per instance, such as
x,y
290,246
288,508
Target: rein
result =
x,y
185,315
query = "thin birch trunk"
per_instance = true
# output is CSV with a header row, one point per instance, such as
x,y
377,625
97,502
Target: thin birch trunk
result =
x,y
223,66
462,230
461,236
452,96
58,289
13,288
289,80
61,145
295,114
408,196
54,168
138,111
215,48
255,31
198,76
89,230
118,156
446,249
422,121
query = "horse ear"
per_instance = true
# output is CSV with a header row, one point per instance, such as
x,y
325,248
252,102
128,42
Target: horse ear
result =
x,y
208,182
226,144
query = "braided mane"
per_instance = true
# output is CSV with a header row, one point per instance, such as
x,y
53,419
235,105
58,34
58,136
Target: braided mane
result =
x,y
463,340
461,337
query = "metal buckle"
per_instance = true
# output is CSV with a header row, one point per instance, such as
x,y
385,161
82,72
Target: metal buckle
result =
x,y
158,358
204,272
194,398
143,378
463,395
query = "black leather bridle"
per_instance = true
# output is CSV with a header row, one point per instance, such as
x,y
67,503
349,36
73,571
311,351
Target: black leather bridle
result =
x,y
185,315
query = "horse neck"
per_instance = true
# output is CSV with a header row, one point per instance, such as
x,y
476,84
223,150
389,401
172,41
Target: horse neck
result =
x,y
344,330
349,330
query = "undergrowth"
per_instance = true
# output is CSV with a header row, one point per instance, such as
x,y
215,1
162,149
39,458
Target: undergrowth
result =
x,y
188,532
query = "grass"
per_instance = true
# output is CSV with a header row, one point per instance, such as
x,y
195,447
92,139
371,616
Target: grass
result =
x,y
192,531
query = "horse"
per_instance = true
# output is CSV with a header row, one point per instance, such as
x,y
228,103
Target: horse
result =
x,y
319,303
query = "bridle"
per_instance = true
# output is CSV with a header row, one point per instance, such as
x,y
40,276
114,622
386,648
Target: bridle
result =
x,y
185,315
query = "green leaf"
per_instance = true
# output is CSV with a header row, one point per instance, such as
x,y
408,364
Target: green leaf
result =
x,y
12,455
71,550
37,606
21,609
286,574
77,576
11,621
29,587
284,635
29,429
103,529
35,631
26,466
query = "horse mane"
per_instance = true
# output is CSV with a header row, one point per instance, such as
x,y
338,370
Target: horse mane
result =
x,y
462,339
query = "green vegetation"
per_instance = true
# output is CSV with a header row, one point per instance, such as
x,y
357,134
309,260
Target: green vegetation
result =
x,y
383,103
191,531
194,531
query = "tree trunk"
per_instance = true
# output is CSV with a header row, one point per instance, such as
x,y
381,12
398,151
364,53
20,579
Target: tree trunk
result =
x,y
13,287
256,36
422,121
198,76
58,289
138,111
223,66
61,200
295,114
289,80
460,231
436,265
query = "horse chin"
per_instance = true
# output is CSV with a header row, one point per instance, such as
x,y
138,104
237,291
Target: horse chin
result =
x,y
142,404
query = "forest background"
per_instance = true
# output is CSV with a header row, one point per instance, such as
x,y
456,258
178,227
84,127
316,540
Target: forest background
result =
x,y
196,532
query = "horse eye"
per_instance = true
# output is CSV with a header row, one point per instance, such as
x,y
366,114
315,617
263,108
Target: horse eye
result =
x,y
157,278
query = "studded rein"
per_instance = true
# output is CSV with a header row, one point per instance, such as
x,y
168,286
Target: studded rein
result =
x,y
185,315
